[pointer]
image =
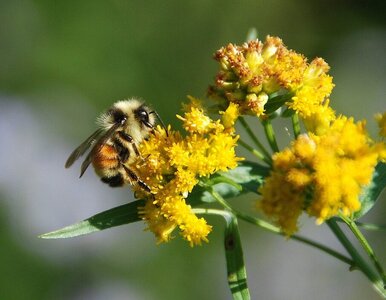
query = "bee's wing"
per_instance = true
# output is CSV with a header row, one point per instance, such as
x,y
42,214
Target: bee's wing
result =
x,y
78,152
102,140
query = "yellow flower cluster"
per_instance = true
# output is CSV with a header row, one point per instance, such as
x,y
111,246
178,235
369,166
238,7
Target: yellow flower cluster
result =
x,y
252,74
175,164
321,174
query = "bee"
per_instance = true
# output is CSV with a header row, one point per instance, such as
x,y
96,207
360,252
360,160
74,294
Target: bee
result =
x,y
114,144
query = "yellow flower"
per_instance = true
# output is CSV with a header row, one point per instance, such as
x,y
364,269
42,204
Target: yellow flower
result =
x,y
195,119
157,223
321,174
175,164
229,117
285,66
254,71
319,119
284,212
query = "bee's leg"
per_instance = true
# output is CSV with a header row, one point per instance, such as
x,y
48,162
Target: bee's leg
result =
x,y
129,139
144,160
136,179
135,149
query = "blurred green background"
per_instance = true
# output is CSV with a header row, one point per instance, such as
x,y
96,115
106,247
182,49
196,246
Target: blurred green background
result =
x,y
63,62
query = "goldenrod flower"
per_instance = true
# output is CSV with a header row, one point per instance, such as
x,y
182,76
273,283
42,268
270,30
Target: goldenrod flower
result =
x,y
321,174
229,117
313,90
281,200
318,121
195,119
175,164
251,73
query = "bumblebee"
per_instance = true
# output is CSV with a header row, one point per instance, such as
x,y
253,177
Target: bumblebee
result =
x,y
114,144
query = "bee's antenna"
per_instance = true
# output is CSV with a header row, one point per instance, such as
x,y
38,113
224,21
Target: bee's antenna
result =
x,y
160,120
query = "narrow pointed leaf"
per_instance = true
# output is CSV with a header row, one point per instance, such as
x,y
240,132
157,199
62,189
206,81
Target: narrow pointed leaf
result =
x,y
237,275
276,102
371,192
121,215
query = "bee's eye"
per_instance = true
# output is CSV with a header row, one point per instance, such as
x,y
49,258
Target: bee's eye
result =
x,y
118,115
143,115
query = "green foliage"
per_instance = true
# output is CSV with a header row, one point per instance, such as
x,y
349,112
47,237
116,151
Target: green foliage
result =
x,y
237,275
276,102
247,177
121,215
371,193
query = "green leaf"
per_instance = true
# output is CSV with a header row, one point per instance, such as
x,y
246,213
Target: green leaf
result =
x,y
248,175
369,226
287,113
371,192
237,275
124,214
276,102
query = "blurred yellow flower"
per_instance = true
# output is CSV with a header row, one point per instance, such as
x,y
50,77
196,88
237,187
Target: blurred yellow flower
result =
x,y
321,174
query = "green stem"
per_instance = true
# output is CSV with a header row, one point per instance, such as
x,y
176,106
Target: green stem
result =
x,y
256,153
360,263
270,134
295,124
267,226
254,138
222,179
237,274
211,211
356,262
366,246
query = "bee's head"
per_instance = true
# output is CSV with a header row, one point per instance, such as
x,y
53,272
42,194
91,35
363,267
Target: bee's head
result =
x,y
136,118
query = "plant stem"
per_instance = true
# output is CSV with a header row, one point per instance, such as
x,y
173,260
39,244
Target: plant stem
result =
x,y
237,274
270,134
211,211
366,246
255,152
359,262
254,138
295,125
367,226
267,226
